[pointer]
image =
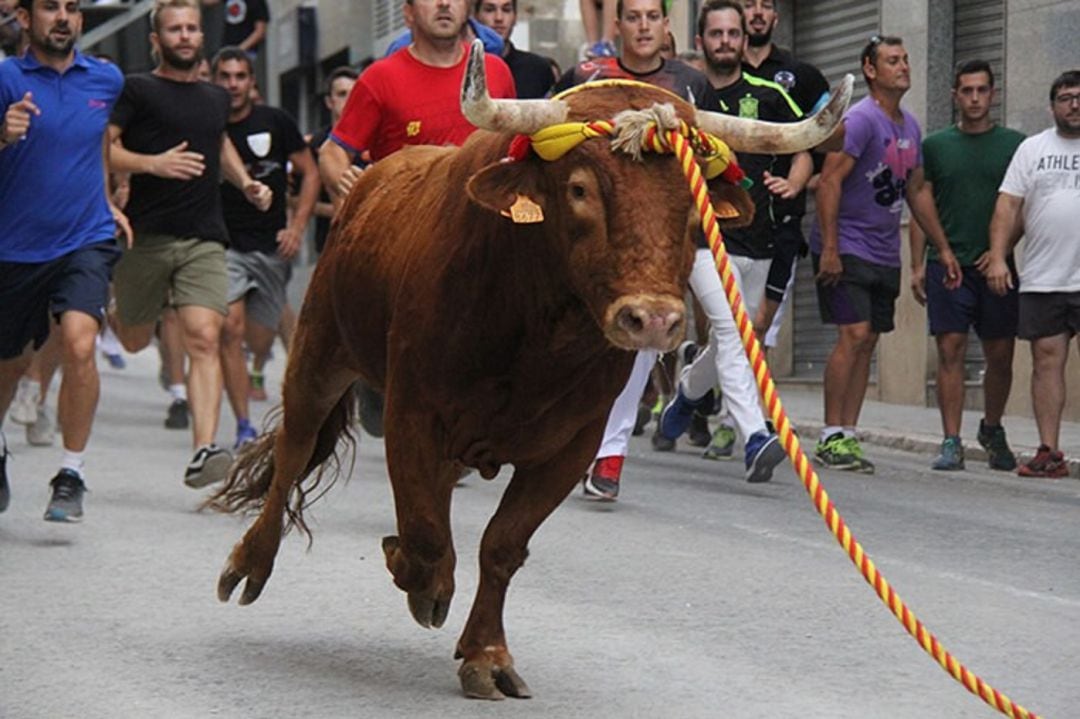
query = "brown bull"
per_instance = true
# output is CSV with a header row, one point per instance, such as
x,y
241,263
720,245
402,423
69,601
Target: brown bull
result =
x,y
494,342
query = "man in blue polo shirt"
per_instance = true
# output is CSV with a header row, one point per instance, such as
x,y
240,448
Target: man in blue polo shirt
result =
x,y
57,225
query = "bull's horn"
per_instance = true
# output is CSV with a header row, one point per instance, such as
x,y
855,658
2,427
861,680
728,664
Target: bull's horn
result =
x,y
767,138
521,116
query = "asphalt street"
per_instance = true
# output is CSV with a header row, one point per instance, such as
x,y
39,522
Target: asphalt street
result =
x,y
696,595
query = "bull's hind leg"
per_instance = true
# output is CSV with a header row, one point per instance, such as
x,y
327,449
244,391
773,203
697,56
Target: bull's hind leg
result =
x,y
533,494
316,385
421,557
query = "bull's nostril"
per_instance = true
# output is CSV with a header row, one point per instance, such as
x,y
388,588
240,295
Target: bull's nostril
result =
x,y
675,328
630,320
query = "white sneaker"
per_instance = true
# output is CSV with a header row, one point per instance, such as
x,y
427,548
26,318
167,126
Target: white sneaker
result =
x,y
24,408
41,433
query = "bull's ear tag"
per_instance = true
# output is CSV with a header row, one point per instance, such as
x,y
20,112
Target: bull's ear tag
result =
x,y
725,210
524,211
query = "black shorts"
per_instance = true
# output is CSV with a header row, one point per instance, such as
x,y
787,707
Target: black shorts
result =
x,y
1047,314
32,292
972,304
866,292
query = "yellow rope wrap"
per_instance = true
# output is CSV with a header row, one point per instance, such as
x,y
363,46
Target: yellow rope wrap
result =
x,y
554,142
801,463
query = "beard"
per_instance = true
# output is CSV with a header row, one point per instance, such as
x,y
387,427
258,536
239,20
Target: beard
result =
x,y
759,40
175,60
56,48
722,65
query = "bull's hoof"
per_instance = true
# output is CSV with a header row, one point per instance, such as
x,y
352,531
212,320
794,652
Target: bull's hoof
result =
x,y
427,611
239,566
483,679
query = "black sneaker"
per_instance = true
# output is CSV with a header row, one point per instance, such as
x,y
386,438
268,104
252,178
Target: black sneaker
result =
x,y
997,449
178,415
660,443
209,465
67,493
699,434
5,490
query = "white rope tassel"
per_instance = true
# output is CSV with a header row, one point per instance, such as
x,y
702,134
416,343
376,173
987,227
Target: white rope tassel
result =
x,y
631,127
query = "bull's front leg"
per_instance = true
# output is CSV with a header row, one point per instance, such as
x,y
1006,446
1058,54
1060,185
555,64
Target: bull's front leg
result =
x,y
532,494
421,556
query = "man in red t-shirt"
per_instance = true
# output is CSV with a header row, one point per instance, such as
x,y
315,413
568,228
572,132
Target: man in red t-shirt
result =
x,y
411,97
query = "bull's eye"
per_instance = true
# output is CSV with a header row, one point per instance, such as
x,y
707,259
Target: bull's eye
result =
x,y
577,191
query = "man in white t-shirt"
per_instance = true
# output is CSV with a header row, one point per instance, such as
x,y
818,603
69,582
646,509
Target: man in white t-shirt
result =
x,y
1040,197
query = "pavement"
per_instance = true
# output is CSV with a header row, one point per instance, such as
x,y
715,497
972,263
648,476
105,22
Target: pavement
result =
x,y
918,429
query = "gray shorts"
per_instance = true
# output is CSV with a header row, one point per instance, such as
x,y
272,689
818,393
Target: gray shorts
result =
x,y
260,280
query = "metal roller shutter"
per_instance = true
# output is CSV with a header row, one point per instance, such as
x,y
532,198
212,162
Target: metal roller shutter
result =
x,y
979,34
829,34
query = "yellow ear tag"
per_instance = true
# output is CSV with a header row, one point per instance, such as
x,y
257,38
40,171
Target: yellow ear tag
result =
x,y
725,210
524,211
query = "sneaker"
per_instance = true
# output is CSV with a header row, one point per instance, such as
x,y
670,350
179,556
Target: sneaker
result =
x,y
244,433
24,407
997,449
258,387
41,433
209,465
178,415
687,352
864,465
763,453
951,457
116,361
601,48
66,502
676,417
5,489
839,452
660,443
603,482
722,445
699,434
1045,463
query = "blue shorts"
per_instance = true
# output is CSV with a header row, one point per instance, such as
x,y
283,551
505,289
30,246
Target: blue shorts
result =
x,y
31,293
972,304
866,292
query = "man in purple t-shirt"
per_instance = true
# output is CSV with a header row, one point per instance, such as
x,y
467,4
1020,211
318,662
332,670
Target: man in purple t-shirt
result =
x,y
856,244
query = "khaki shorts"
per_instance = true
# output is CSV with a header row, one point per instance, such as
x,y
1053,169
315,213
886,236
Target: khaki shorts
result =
x,y
164,270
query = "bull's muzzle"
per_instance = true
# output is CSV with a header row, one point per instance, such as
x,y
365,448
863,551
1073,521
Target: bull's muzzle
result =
x,y
638,322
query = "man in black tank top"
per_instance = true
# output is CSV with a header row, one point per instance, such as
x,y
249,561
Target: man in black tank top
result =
x,y
168,130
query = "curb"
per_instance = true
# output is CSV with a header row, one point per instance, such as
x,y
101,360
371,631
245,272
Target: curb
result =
x,y
923,444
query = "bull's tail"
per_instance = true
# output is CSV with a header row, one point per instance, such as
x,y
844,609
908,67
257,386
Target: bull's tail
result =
x,y
251,475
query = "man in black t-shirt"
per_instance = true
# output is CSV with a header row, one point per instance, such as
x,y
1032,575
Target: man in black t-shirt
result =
x,y
168,130
777,179
532,73
245,24
807,87
262,244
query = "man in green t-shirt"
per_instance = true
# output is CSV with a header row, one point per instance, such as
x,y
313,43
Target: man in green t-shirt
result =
x,y
964,165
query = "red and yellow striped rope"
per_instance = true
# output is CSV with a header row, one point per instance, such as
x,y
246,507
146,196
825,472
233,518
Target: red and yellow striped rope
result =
x,y
683,150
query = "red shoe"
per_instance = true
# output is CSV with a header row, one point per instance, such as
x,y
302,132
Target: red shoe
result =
x,y
603,482
1045,463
